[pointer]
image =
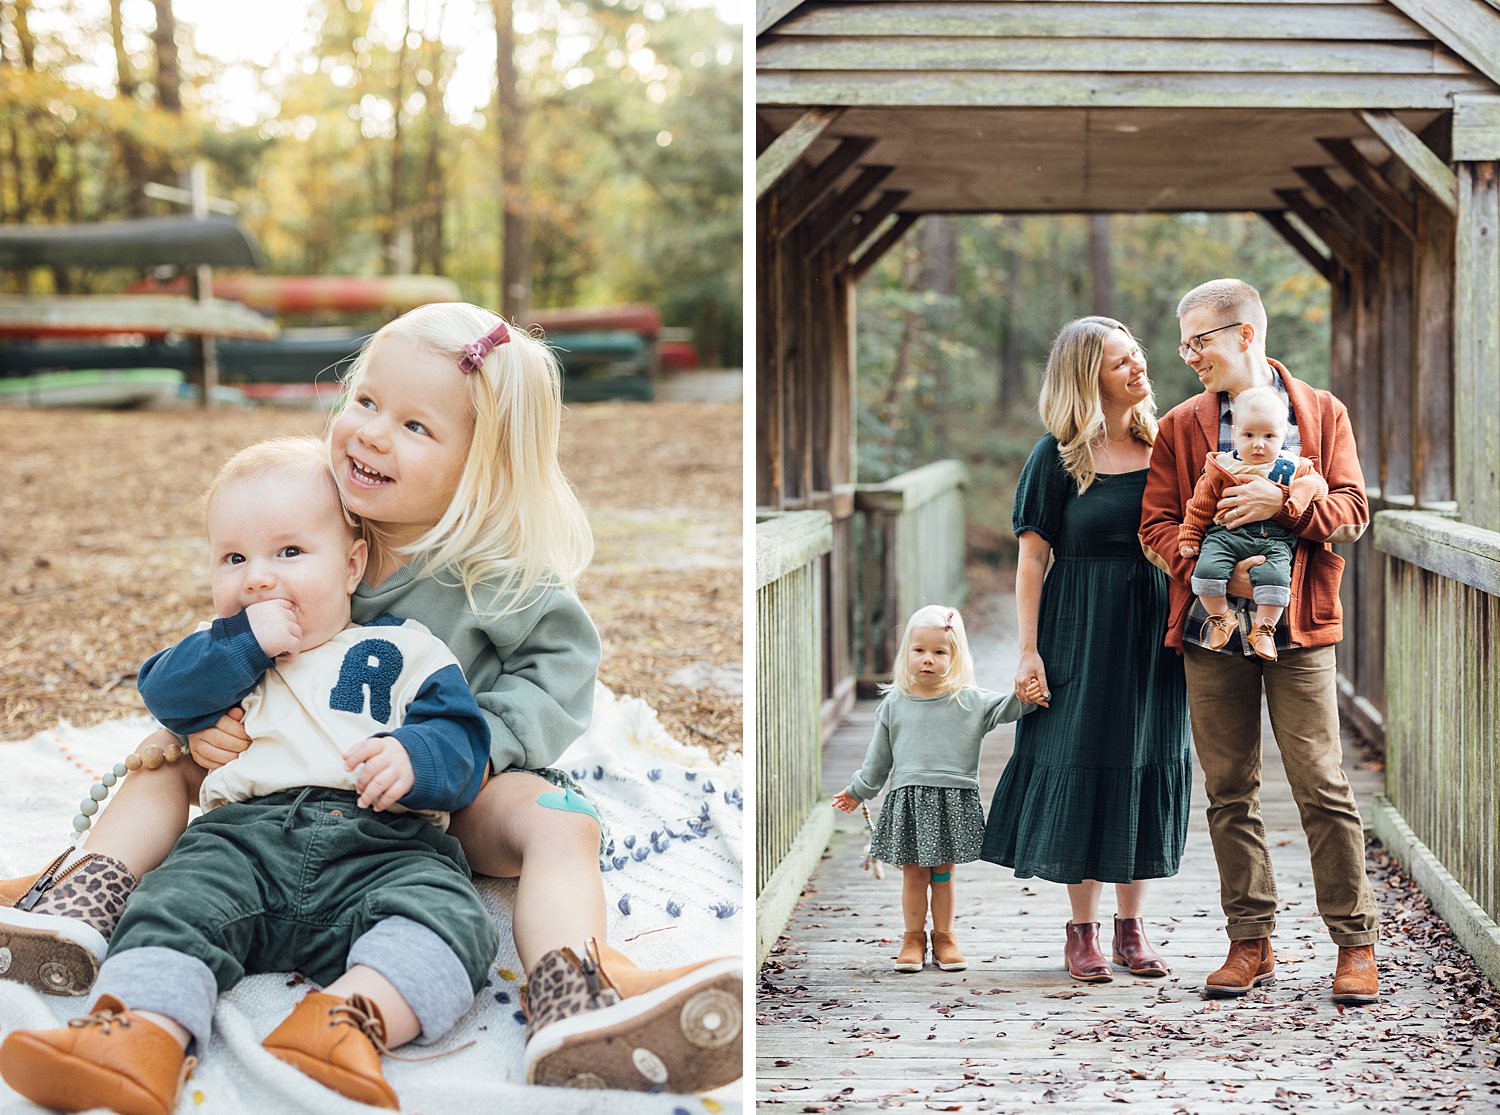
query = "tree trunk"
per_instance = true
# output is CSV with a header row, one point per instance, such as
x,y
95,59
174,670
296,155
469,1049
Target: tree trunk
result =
x,y
1099,267
168,73
24,37
515,259
395,258
939,274
1012,386
127,83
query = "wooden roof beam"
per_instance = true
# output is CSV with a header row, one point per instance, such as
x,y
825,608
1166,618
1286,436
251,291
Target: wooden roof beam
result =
x,y
768,13
835,215
1431,172
1466,27
806,195
1400,211
1476,127
869,222
1344,205
1322,264
888,239
787,148
1324,226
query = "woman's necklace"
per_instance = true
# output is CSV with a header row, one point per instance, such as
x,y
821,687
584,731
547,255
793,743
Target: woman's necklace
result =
x,y
1109,456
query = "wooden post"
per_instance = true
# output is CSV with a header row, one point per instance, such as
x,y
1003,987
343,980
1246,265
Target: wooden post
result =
x,y
1395,371
1476,346
1432,364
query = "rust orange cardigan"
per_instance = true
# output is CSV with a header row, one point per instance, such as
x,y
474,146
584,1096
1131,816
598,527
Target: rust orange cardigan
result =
x,y
1189,432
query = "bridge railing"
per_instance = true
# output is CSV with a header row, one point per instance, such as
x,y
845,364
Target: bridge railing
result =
x,y
791,550
909,552
1442,714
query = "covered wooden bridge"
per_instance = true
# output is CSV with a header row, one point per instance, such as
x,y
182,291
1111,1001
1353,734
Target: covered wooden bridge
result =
x,y
1367,133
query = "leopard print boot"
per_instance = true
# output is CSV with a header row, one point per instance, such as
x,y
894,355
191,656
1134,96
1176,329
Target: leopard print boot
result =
x,y
589,1029
54,932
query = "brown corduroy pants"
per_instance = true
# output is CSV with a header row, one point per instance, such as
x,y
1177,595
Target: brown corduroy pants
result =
x,y
1224,703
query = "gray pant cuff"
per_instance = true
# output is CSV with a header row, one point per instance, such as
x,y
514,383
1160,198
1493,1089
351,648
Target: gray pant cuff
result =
x,y
163,981
1280,595
1204,587
422,967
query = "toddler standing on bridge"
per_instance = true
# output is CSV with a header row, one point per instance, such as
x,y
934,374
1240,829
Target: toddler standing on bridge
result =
x,y
928,733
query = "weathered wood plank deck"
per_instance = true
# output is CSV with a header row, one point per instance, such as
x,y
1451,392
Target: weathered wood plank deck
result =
x,y
840,1031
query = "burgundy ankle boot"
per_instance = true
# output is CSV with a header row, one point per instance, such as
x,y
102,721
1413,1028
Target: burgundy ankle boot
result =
x,y
1084,960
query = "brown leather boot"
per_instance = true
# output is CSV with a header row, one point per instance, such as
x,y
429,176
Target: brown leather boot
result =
x,y
601,1022
1217,630
1082,956
1263,641
114,1058
913,952
1355,980
338,1043
946,953
55,925
1134,951
1250,964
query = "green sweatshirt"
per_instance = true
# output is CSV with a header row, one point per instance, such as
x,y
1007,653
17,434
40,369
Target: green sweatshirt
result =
x,y
532,672
932,741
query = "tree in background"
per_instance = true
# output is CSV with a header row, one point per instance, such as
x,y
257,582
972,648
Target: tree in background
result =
x,y
954,328
627,169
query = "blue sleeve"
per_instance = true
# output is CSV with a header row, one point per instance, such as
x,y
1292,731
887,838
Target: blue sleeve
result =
x,y
1002,708
448,741
190,685
871,776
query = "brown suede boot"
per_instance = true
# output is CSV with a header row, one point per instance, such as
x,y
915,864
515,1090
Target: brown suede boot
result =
x,y
946,953
338,1043
114,1058
1134,951
1250,964
1081,954
913,952
55,925
601,1022
1355,980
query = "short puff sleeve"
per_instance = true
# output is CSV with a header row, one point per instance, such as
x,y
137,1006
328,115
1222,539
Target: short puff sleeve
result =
x,y
1042,492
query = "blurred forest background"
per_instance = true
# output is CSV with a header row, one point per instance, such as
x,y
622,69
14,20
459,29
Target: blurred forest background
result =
x,y
954,326
387,136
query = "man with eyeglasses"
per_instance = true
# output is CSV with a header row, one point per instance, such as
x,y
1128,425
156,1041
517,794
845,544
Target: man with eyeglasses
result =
x,y
1223,327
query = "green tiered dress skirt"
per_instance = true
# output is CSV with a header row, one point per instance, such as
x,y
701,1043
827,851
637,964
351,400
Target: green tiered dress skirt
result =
x,y
1099,783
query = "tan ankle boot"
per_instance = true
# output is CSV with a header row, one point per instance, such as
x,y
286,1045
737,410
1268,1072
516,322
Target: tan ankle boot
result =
x,y
338,1043
602,1022
114,1058
1356,980
945,951
55,925
913,952
1249,964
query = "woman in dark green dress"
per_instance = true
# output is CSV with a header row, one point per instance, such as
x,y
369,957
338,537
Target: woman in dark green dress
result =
x,y
1097,789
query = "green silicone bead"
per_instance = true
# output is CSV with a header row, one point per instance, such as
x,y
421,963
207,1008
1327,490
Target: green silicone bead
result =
x,y
108,778
98,791
81,823
121,770
88,807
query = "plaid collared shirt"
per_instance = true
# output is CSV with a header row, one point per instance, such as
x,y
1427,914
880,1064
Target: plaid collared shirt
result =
x,y
1244,610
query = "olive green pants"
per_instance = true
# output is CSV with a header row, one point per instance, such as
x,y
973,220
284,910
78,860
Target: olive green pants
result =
x,y
1224,703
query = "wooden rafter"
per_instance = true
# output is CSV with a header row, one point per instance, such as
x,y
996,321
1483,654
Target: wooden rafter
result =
x,y
1431,172
888,239
1344,204
1325,226
1466,27
768,13
870,221
1391,202
1322,264
835,215
813,189
790,146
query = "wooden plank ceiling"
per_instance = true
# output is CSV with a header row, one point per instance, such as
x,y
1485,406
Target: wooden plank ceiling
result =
x,y
1063,106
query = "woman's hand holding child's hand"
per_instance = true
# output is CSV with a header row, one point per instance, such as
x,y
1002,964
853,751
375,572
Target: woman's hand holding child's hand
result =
x,y
275,627
386,777
846,801
224,742
1187,549
1031,680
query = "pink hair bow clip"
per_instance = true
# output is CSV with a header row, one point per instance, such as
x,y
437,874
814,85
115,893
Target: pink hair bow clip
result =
x,y
473,358
948,623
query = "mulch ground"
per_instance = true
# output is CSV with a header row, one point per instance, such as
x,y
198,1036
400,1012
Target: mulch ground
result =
x,y
102,558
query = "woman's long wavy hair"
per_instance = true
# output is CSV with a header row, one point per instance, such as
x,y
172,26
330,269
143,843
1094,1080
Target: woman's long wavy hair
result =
x,y
1070,404
514,523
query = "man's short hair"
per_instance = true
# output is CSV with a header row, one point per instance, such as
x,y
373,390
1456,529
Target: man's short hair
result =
x,y
1234,298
